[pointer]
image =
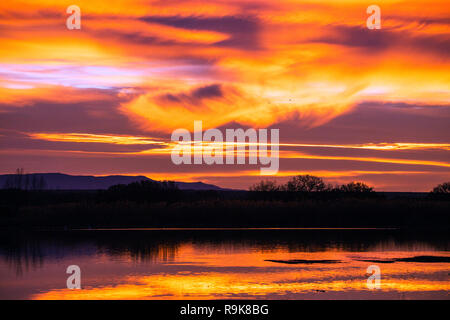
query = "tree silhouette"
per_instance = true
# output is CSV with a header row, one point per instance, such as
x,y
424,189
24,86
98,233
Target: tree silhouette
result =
x,y
15,181
25,181
265,186
443,188
142,191
356,187
305,183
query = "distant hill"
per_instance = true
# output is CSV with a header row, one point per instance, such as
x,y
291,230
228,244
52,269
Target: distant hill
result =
x,y
60,181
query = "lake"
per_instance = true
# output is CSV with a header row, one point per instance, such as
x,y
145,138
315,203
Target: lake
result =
x,y
225,264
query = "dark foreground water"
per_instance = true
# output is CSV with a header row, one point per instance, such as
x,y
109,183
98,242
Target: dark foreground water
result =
x,y
225,264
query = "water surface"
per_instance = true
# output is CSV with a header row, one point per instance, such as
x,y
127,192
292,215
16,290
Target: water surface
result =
x,y
224,264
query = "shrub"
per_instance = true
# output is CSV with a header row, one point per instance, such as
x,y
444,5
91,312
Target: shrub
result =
x,y
265,186
443,188
356,187
305,183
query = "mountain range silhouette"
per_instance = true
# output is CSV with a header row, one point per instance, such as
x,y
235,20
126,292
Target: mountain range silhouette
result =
x,y
60,181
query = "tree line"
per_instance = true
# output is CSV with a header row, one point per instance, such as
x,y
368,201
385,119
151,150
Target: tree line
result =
x,y
297,184
309,183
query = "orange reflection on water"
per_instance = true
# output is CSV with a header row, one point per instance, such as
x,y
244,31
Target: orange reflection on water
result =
x,y
205,272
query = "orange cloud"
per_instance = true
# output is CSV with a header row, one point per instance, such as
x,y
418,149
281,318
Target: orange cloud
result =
x,y
95,138
256,63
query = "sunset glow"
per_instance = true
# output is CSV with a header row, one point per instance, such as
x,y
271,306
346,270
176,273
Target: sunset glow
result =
x,y
287,281
350,103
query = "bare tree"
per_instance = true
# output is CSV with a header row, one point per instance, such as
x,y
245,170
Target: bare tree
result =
x,y
42,184
22,181
18,179
265,186
26,182
34,183
305,183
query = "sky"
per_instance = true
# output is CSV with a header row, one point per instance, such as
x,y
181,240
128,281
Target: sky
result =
x,y
351,104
